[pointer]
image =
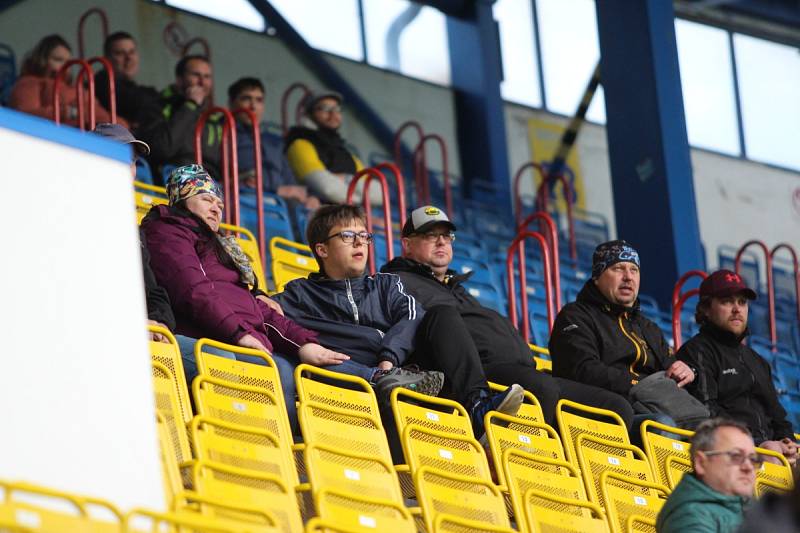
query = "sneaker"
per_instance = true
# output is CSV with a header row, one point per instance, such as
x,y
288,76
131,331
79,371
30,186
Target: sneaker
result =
x,y
428,382
507,402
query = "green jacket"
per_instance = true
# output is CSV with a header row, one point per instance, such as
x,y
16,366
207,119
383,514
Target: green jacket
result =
x,y
694,507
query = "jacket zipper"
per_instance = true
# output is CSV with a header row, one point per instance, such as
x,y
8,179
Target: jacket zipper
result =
x,y
635,345
351,300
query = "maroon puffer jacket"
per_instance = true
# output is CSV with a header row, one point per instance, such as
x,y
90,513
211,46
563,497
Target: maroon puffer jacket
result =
x,y
207,297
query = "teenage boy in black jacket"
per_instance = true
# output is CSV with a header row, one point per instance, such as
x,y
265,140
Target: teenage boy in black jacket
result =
x,y
427,239
380,326
733,380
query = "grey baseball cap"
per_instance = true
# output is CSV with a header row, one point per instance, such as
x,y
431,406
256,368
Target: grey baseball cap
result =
x,y
315,97
121,134
425,217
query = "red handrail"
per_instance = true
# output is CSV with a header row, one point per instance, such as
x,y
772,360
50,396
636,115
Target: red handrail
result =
x,y
517,176
371,173
112,85
548,221
86,69
542,197
230,165
795,263
257,161
103,22
285,100
197,40
398,156
401,188
421,171
773,337
678,300
512,298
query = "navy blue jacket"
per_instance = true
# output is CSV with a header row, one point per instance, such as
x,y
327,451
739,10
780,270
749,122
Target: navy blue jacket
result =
x,y
370,318
275,167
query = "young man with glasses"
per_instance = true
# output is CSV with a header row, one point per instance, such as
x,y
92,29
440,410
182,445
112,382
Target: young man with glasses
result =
x,y
712,498
427,239
381,327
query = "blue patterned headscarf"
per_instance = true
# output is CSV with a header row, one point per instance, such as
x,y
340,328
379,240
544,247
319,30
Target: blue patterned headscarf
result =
x,y
189,180
610,253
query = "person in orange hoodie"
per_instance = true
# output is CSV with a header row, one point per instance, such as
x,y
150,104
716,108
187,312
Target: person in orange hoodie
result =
x,y
33,92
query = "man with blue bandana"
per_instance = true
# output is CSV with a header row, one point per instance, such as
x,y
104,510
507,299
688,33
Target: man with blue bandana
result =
x,y
602,338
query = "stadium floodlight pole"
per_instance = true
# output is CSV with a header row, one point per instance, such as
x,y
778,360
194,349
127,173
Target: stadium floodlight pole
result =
x,y
679,300
773,337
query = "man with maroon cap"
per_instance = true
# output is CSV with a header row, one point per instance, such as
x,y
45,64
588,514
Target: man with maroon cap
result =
x,y
733,380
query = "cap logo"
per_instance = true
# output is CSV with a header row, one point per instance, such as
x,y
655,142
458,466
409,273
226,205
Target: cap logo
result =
x,y
730,278
432,211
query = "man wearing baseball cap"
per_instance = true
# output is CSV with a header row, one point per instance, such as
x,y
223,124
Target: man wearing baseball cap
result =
x,y
119,133
427,239
733,380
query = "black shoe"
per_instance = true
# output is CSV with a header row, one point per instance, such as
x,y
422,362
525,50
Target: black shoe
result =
x,y
507,402
428,382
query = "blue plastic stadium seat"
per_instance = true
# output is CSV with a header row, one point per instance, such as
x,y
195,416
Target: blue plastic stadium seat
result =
x,y
540,329
487,295
143,172
648,305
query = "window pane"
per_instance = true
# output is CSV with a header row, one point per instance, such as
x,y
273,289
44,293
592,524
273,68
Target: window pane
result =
x,y
769,85
423,51
329,25
707,83
521,83
238,12
570,52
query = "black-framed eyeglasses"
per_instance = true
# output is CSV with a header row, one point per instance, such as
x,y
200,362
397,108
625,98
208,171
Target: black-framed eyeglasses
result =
x,y
329,108
737,457
433,236
349,237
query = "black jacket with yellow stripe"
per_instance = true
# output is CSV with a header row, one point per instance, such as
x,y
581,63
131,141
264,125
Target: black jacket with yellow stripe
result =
x,y
606,345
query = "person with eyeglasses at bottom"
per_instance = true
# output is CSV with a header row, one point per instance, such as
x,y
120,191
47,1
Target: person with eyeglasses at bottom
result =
x,y
712,497
381,327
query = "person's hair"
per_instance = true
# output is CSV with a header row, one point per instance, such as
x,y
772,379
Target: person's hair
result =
x,y
701,310
114,37
35,62
243,84
183,63
325,218
705,436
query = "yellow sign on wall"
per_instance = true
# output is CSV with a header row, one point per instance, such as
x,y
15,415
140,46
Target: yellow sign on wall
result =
x,y
545,137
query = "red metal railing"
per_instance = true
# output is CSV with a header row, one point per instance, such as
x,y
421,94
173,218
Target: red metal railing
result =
x,y
259,192
103,23
795,263
86,69
678,301
298,108
546,221
370,174
512,298
517,177
230,164
401,187
421,176
543,198
773,337
197,40
398,155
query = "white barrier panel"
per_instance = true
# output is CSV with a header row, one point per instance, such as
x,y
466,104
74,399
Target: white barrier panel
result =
x,y
76,395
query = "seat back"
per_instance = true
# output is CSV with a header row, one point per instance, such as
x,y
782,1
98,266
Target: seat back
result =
x,y
675,468
448,523
290,260
530,410
169,355
167,405
576,419
659,447
776,474
444,451
170,469
765,486
359,513
249,246
596,456
473,499
506,432
145,521
146,196
438,414
627,497
545,511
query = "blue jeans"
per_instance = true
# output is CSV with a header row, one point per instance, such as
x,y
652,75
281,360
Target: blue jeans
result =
x,y
639,419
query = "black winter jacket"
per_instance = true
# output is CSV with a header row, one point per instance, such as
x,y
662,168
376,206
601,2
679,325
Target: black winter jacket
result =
x,y
494,336
370,318
604,344
735,382
156,297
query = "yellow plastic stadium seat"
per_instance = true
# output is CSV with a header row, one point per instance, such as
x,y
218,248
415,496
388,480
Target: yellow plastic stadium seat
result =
x,y
574,421
765,486
333,468
28,507
290,260
239,517
596,456
359,513
675,467
167,405
244,447
545,511
248,488
473,499
144,521
249,246
169,355
146,196
778,475
341,412
628,497
660,447
505,432
448,523
444,451
530,409
542,358
170,469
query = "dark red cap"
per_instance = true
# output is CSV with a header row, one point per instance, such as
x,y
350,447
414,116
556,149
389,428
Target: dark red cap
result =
x,y
725,283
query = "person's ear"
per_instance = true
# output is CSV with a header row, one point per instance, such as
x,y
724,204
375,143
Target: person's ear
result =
x,y
405,243
700,463
321,249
